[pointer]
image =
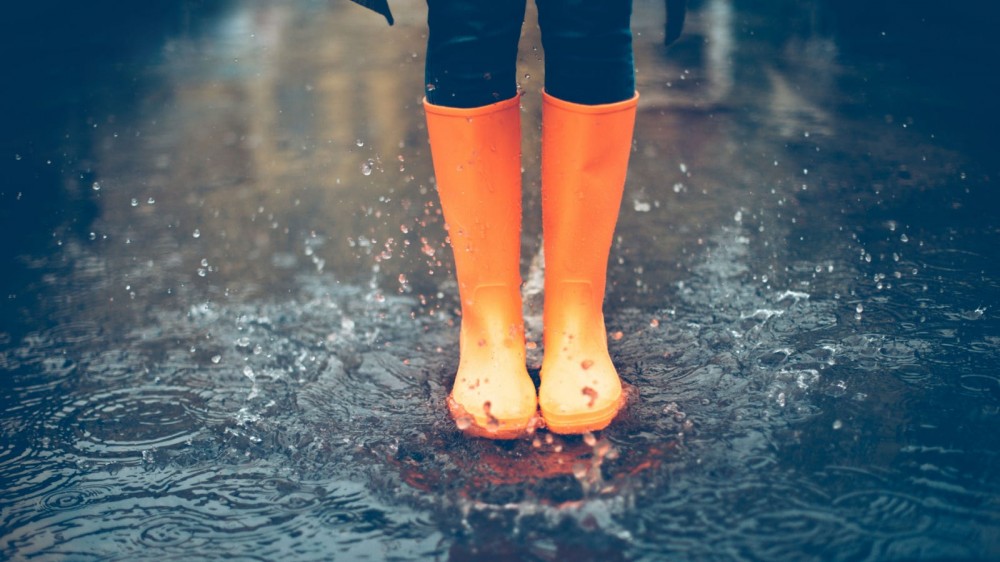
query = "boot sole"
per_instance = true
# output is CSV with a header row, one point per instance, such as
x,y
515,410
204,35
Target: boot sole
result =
x,y
591,420
504,430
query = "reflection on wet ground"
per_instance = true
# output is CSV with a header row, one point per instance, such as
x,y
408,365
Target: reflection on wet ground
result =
x,y
230,322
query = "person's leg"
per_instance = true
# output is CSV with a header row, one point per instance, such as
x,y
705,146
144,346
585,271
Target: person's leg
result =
x,y
588,50
473,121
472,51
588,113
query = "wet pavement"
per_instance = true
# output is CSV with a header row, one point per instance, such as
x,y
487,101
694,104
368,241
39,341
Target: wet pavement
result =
x,y
229,319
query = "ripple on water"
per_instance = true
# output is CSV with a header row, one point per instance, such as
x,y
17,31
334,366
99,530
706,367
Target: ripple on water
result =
x,y
123,423
123,528
112,366
949,351
343,506
178,530
902,352
62,336
32,390
917,375
377,386
884,513
28,472
705,514
71,498
244,512
952,260
982,384
73,332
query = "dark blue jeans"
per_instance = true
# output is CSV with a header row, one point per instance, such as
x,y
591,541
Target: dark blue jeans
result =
x,y
472,50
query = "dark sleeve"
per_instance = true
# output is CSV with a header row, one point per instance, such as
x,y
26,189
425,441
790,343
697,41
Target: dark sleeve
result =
x,y
675,20
380,6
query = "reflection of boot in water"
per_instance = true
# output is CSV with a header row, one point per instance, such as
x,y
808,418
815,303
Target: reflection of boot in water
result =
x,y
477,163
585,151
546,470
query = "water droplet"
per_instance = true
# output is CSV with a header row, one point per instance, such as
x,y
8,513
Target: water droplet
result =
x,y
586,364
602,448
641,206
579,470
359,142
196,233
367,166
463,422
904,238
837,424
151,201
216,359
96,186
860,308
243,342
589,439
617,335
135,202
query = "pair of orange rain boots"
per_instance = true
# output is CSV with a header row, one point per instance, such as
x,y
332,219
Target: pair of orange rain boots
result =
x,y
477,163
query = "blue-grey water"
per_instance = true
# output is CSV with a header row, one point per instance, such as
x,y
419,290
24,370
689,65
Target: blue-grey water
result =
x,y
229,321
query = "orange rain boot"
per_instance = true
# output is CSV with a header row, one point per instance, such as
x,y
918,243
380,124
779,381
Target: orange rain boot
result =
x,y
477,163
585,152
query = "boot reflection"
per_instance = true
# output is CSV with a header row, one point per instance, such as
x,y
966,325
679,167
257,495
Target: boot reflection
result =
x,y
561,472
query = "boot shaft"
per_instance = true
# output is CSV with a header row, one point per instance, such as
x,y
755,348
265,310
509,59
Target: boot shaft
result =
x,y
477,164
585,154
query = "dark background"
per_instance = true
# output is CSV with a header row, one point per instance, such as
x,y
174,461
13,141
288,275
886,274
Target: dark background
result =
x,y
60,57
